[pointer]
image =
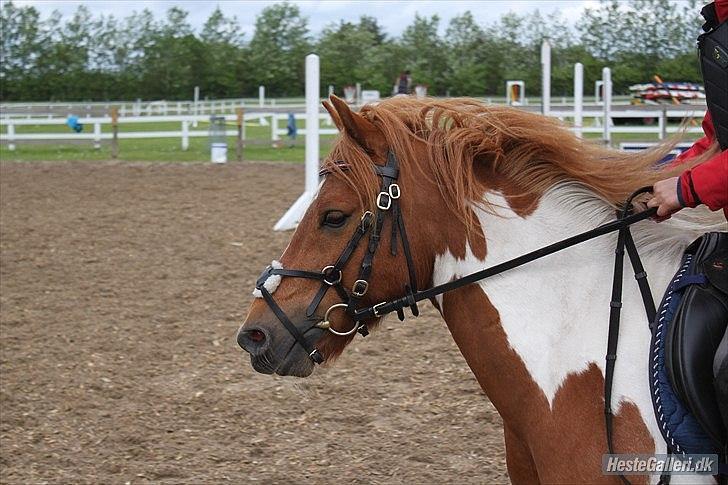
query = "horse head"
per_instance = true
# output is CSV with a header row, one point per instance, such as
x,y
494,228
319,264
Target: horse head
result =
x,y
350,250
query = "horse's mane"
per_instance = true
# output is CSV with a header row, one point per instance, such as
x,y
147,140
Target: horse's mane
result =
x,y
529,151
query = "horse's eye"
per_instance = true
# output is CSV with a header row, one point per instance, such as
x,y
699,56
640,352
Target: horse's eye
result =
x,y
334,218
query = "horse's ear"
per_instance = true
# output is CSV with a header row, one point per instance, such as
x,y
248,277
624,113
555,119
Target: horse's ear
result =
x,y
360,129
334,115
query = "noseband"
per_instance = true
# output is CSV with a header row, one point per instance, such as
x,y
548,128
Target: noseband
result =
x,y
330,276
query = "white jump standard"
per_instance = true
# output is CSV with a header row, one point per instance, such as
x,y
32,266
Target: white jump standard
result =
x,y
292,217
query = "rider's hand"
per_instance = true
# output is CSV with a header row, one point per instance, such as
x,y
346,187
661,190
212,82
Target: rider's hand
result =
x,y
665,198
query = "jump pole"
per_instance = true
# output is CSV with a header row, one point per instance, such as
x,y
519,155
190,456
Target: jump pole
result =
x,y
578,98
294,215
545,77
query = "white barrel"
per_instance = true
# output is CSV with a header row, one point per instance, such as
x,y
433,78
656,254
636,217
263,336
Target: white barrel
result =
x,y
218,152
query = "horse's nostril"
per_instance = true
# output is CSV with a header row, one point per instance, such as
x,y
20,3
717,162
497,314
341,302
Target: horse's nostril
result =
x,y
252,339
256,336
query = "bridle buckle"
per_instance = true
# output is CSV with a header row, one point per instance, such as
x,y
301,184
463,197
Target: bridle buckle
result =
x,y
384,201
360,288
394,191
375,308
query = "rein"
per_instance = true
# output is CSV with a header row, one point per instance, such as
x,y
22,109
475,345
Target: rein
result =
x,y
387,202
383,308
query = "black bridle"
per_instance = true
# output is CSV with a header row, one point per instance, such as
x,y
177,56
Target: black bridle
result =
x,y
387,202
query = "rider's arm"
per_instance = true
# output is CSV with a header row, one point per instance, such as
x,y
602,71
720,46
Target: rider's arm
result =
x,y
706,183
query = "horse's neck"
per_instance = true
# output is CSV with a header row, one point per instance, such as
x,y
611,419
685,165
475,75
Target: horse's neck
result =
x,y
526,331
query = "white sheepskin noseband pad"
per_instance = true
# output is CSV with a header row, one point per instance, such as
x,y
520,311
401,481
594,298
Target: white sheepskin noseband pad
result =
x,y
272,282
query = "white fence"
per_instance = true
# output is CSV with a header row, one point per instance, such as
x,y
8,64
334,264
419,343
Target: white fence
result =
x,y
147,108
661,128
11,137
277,123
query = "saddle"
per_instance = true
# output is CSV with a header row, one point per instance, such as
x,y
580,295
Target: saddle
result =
x,y
686,336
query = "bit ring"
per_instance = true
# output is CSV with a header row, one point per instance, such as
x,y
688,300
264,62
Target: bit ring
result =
x,y
327,324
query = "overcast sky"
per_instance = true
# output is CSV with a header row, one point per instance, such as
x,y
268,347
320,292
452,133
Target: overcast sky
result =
x,y
393,15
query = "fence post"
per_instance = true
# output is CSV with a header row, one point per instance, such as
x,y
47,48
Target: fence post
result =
x,y
545,77
196,98
578,98
11,137
185,135
663,123
97,135
607,88
274,128
114,132
239,141
261,103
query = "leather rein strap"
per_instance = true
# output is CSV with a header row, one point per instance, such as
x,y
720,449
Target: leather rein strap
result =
x,y
624,240
383,308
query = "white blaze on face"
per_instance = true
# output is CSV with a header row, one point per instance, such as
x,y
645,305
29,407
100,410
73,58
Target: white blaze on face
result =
x,y
272,282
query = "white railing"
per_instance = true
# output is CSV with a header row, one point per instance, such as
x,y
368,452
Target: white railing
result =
x,y
184,133
190,108
147,108
661,128
11,137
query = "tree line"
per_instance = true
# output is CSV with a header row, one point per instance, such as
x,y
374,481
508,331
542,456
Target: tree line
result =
x,y
97,58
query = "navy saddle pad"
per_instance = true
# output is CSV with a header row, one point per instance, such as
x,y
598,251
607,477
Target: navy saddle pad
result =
x,y
690,324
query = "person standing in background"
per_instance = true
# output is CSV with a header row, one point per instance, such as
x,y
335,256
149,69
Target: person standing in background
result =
x,y
404,83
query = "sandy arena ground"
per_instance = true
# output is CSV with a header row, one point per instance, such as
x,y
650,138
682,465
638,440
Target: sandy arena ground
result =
x,y
121,290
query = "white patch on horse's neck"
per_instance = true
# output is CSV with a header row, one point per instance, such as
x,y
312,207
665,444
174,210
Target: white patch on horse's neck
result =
x,y
555,310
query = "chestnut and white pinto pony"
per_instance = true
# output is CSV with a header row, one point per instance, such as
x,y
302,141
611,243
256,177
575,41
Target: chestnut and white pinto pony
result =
x,y
480,185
